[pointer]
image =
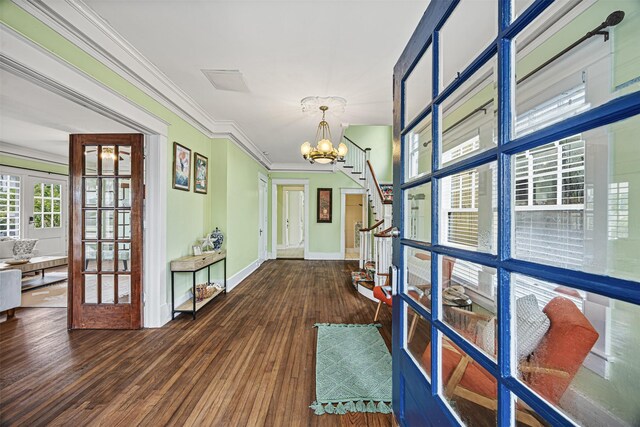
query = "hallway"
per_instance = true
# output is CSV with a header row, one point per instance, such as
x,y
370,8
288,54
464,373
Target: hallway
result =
x,y
248,359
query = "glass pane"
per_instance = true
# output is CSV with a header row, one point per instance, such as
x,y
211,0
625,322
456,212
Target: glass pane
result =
x,y
468,301
108,290
124,224
475,384
108,157
124,257
469,117
418,276
56,206
37,205
574,202
418,87
56,191
56,220
124,160
37,190
458,48
107,256
526,416
91,160
47,206
90,257
578,350
37,221
90,288
418,213
468,203
108,192
594,72
90,224
124,289
48,190
91,192
124,192
47,221
108,231
418,150
418,330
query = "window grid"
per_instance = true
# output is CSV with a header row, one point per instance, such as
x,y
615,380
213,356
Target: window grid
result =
x,y
47,205
10,206
613,111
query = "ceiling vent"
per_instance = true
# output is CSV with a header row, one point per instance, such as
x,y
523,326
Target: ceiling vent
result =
x,y
230,80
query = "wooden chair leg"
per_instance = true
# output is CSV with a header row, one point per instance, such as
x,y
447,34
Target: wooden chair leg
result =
x,y
375,319
10,313
413,327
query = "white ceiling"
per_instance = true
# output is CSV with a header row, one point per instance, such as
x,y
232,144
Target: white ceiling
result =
x,y
37,119
286,50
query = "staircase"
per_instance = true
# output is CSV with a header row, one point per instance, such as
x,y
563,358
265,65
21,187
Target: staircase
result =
x,y
375,240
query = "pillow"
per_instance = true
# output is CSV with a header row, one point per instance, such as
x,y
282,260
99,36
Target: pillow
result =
x,y
486,336
531,325
6,248
24,246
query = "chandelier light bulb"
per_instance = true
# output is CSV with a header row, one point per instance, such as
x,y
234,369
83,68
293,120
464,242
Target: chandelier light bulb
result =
x,y
342,149
305,149
325,146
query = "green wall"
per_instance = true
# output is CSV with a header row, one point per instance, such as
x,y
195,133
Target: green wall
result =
x,y
18,162
378,138
323,237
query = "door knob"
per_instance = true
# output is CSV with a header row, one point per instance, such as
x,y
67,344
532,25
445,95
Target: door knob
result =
x,y
395,232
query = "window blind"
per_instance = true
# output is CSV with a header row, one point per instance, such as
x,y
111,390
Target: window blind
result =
x,y
10,206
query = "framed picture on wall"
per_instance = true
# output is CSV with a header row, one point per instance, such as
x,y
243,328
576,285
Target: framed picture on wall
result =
x,y
181,167
200,173
324,204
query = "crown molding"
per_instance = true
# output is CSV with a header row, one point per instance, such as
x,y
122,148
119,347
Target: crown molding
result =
x,y
14,150
77,22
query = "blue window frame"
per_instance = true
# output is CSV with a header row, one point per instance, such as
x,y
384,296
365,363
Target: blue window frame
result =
x,y
409,384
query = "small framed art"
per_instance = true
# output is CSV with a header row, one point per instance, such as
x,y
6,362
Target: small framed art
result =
x,y
181,167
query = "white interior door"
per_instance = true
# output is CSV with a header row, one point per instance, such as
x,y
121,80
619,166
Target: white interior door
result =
x,y
262,220
45,211
294,219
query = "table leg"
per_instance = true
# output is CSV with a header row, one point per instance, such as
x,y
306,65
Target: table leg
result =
x,y
194,296
173,313
225,275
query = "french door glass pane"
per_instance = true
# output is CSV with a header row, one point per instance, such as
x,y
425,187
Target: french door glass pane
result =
x,y
461,41
91,192
108,291
418,331
91,257
124,192
418,276
90,224
90,288
108,192
107,226
473,395
108,257
418,87
90,160
124,160
124,289
574,201
124,255
418,213
468,209
108,156
418,149
578,350
124,224
469,117
593,73
468,301
525,415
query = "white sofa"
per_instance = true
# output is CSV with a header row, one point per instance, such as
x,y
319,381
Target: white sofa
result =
x,y
10,291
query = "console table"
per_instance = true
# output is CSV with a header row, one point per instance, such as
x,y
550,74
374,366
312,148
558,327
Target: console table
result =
x,y
192,264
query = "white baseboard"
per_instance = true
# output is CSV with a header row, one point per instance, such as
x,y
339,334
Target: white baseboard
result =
x,y
281,247
165,316
271,255
237,278
337,256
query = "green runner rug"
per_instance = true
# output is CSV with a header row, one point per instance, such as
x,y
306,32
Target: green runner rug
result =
x,y
353,370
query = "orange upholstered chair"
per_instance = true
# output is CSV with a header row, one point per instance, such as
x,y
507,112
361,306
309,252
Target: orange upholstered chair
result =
x,y
383,295
548,370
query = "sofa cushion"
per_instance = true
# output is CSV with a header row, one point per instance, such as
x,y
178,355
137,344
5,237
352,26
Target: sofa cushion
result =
x,y
24,246
531,325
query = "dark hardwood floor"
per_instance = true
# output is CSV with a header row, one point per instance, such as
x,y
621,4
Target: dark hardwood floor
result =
x,y
248,359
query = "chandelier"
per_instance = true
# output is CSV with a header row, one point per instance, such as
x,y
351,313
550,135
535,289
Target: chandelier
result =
x,y
323,152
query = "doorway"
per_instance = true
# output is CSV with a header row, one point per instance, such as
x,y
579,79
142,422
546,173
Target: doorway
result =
x,y
355,218
291,222
263,195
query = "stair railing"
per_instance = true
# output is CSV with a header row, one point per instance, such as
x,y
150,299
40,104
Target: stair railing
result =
x,y
366,243
383,254
356,158
378,201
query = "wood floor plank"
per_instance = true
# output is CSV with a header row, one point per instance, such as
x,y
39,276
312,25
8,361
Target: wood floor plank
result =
x,y
248,359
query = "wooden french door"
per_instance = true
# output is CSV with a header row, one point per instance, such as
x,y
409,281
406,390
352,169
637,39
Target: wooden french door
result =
x,y
105,245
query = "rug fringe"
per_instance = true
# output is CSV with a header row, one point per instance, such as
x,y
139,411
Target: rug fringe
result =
x,y
351,406
346,325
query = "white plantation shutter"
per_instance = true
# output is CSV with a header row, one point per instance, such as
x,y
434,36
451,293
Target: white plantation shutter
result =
x,y
10,206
